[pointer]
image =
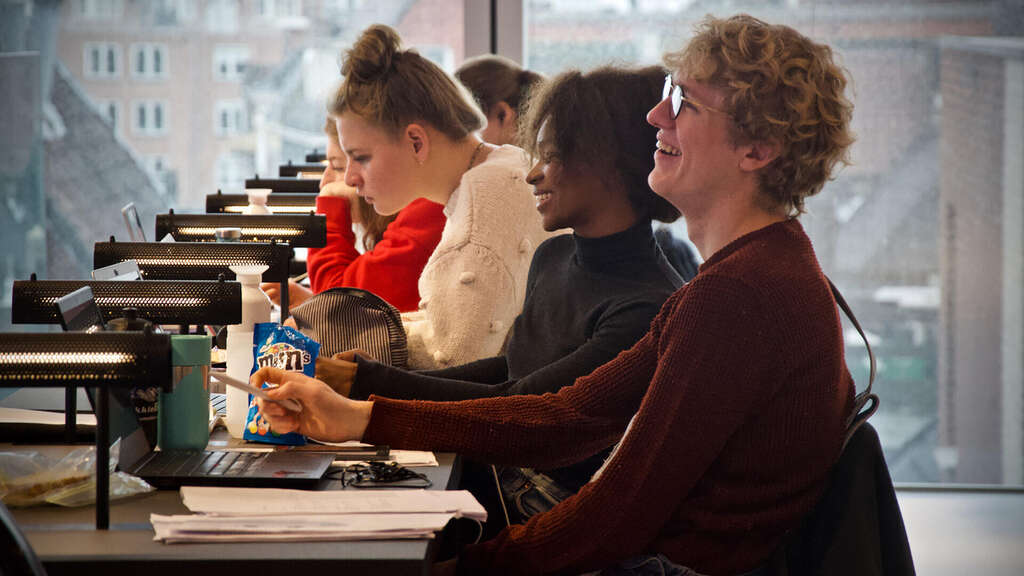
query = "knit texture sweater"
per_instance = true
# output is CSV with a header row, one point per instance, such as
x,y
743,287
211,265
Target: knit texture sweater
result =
x,y
392,268
737,395
587,299
474,283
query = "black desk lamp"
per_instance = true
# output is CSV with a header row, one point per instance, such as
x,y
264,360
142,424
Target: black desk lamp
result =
x,y
183,302
199,260
103,360
283,184
304,170
299,230
298,203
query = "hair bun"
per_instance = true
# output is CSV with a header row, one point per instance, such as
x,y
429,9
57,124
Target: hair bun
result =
x,y
373,54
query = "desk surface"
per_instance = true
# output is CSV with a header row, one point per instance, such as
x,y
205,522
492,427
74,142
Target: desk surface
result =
x,y
66,540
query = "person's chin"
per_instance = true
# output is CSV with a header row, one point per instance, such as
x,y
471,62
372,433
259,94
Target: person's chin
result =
x,y
657,182
549,223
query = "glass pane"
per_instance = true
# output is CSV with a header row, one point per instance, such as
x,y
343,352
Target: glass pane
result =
x,y
142,116
158,116
140,61
157,56
922,233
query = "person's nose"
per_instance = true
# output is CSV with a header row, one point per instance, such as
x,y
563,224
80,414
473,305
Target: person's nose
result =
x,y
535,175
352,177
328,176
659,116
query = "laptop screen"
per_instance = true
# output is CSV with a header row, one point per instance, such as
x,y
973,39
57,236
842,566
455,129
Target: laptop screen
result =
x,y
79,313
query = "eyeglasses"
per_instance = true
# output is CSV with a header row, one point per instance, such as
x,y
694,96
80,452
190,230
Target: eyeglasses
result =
x,y
679,98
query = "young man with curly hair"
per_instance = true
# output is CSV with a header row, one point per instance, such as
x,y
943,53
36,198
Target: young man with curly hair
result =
x,y
728,414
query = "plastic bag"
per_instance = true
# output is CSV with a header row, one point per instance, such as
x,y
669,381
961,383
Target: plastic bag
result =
x,y
288,349
30,478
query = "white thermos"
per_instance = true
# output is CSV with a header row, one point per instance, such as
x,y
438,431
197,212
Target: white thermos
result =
x,y
255,308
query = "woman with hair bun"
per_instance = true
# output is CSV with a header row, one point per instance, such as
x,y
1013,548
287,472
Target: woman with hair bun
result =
x,y
408,131
395,247
501,87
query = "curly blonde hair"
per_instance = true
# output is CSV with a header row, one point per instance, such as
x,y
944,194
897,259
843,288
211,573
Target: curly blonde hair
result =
x,y
780,87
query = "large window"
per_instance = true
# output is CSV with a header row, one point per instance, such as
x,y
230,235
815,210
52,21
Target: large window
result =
x,y
922,232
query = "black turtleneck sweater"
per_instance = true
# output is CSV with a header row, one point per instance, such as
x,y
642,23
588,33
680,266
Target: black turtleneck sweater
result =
x,y
587,299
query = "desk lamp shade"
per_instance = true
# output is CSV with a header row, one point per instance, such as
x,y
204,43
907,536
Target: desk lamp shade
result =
x,y
195,260
304,170
59,359
298,203
284,185
184,302
304,231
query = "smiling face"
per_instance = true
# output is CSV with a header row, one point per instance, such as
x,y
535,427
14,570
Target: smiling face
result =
x,y
695,160
380,167
568,198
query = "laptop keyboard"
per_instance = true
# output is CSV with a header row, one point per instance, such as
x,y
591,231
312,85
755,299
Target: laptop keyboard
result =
x,y
206,463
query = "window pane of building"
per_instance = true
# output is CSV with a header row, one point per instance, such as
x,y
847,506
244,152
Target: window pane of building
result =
x,y
922,232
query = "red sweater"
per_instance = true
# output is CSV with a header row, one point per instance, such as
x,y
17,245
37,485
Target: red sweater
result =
x,y
392,269
739,392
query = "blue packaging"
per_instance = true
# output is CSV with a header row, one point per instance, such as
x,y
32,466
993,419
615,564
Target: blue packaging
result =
x,y
285,348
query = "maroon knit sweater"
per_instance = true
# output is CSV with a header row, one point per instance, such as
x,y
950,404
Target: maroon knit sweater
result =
x,y
739,390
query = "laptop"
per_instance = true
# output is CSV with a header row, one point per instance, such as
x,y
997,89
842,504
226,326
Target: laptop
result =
x,y
79,313
175,468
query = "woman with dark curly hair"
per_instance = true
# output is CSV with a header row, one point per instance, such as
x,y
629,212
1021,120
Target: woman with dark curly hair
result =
x,y
729,413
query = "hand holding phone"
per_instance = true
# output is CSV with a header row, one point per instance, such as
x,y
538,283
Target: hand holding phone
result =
x,y
288,403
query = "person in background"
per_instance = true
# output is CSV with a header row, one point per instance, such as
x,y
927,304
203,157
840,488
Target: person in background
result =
x,y
589,295
500,86
396,247
407,129
729,413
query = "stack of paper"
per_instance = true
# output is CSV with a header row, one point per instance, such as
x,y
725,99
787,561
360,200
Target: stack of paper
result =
x,y
269,514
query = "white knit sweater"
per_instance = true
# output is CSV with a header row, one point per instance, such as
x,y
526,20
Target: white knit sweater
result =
x,y
474,283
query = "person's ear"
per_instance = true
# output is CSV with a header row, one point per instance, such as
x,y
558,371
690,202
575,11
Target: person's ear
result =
x,y
504,113
759,154
418,142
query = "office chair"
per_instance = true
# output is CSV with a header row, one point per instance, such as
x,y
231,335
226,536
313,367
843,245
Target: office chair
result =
x,y
856,528
16,555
